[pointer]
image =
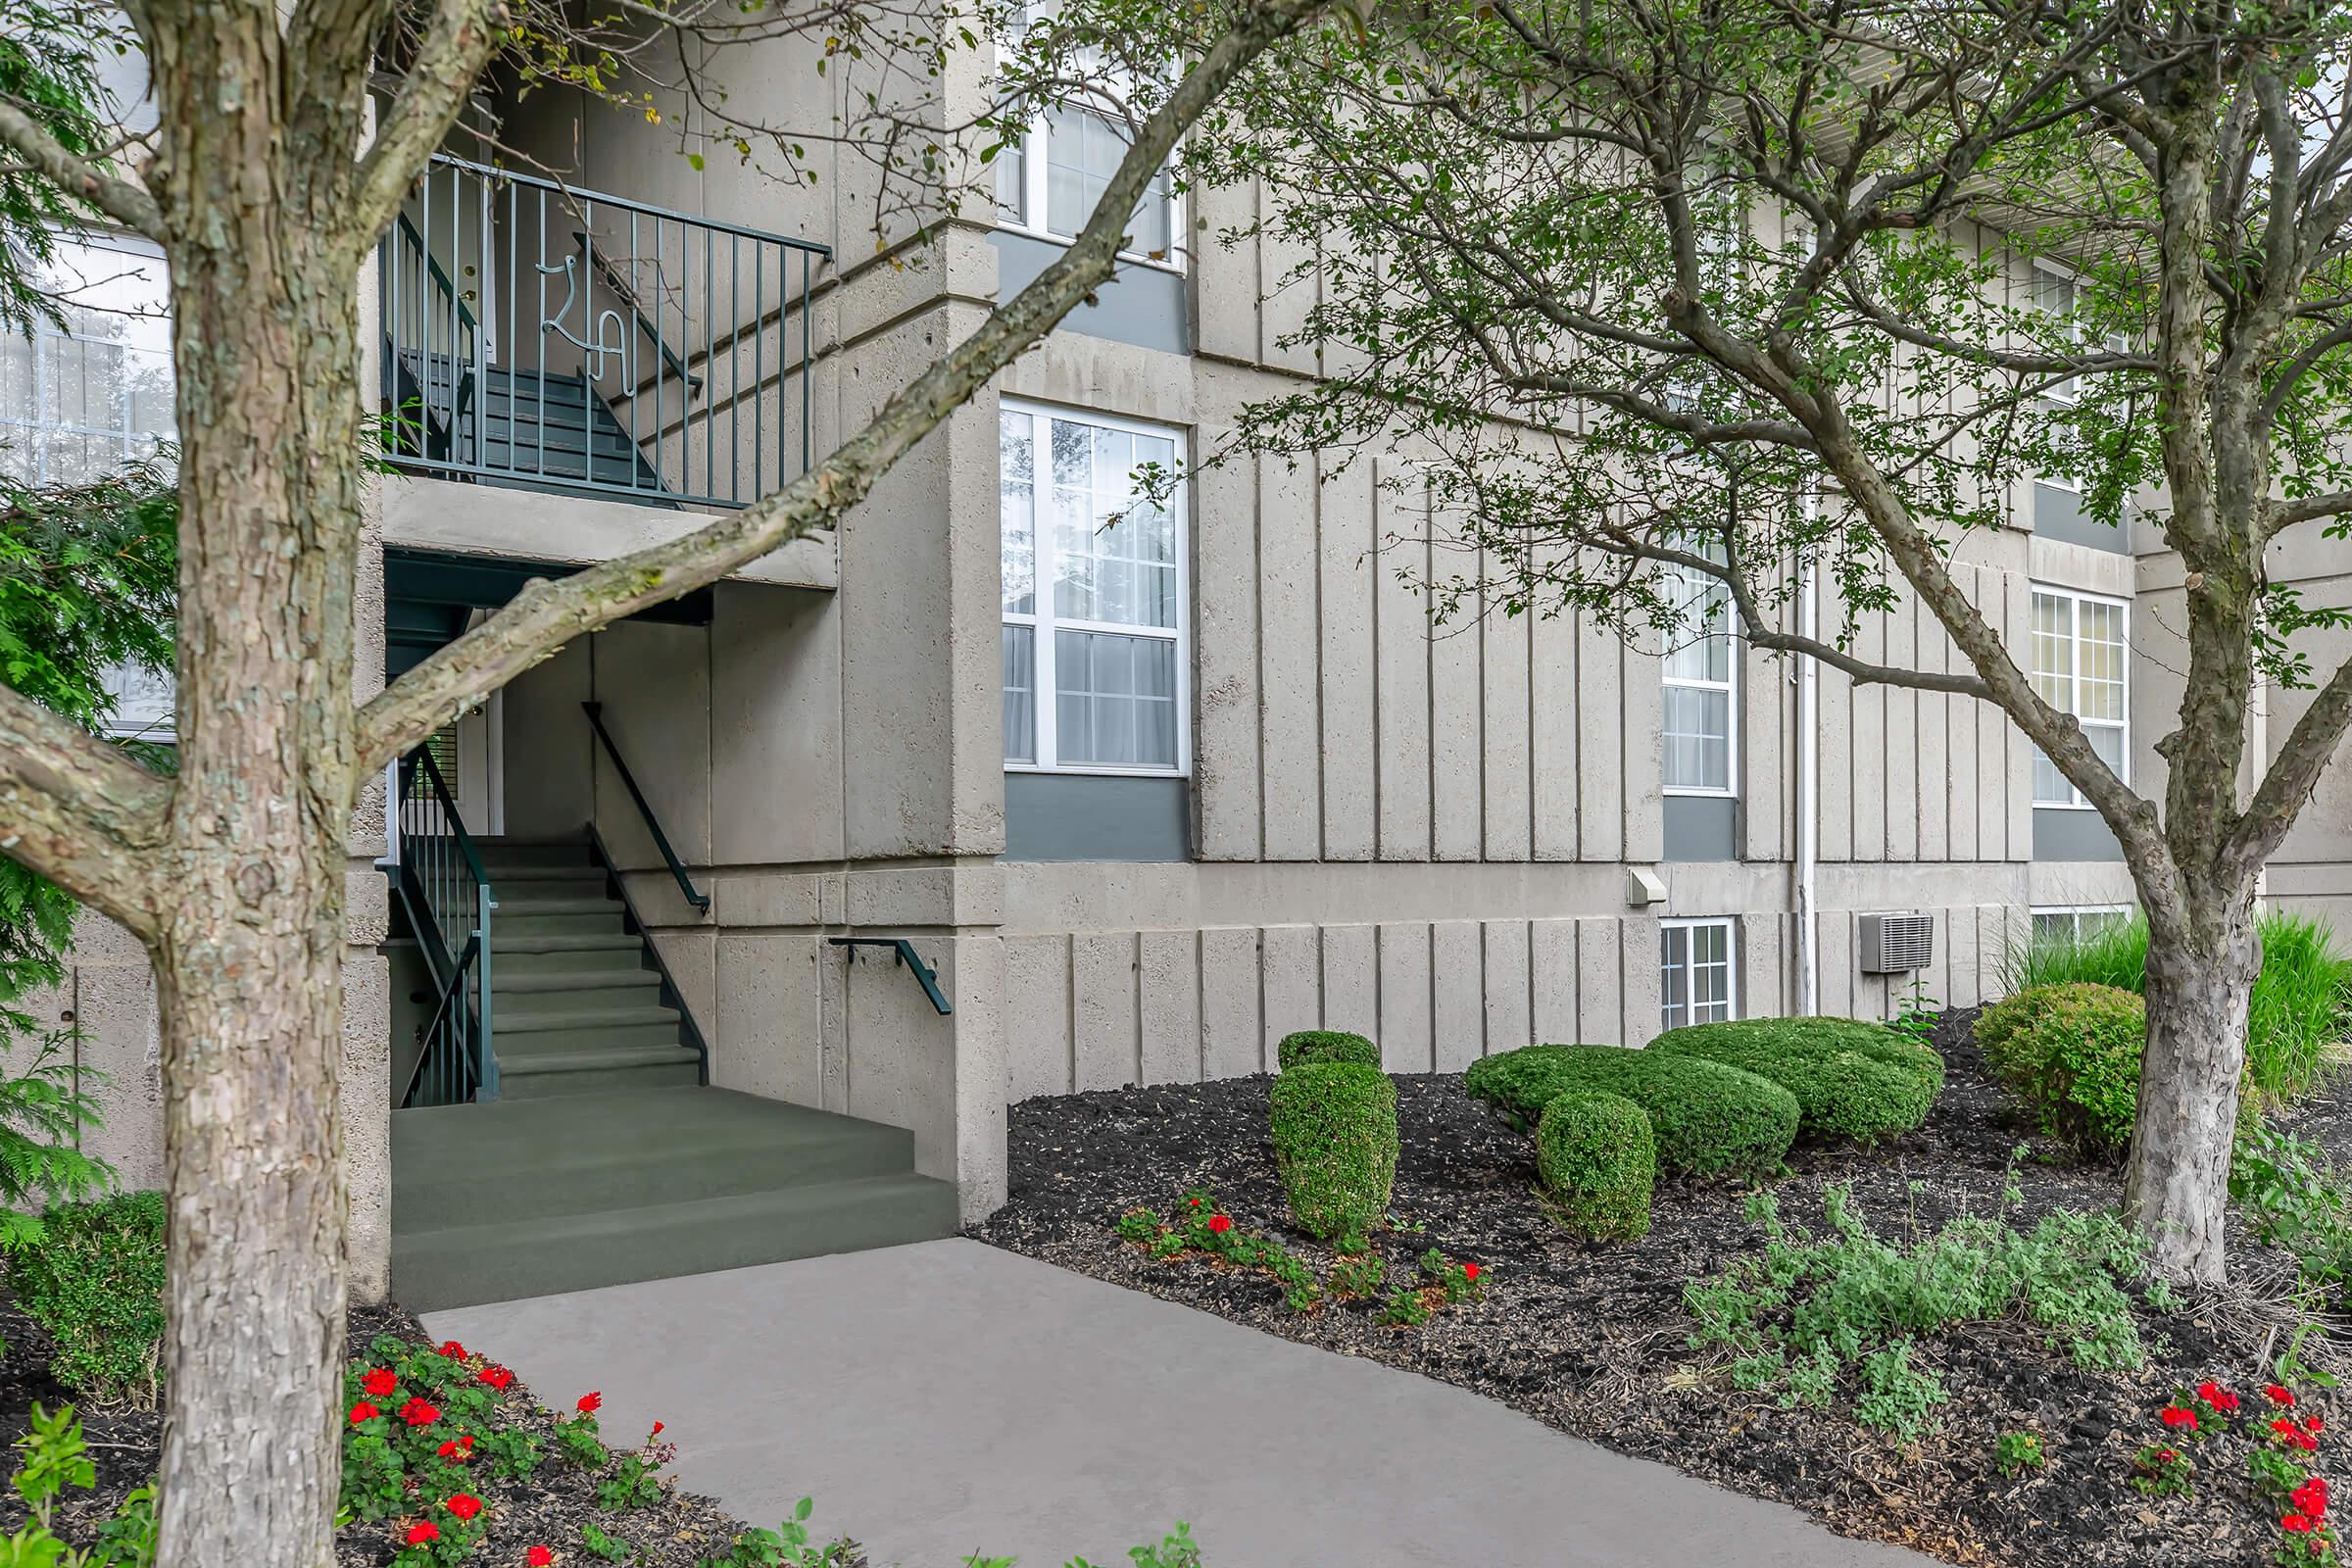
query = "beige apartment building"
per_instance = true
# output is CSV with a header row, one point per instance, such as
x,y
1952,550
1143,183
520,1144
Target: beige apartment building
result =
x,y
977,800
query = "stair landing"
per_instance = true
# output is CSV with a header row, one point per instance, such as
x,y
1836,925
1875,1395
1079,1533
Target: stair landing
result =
x,y
523,1198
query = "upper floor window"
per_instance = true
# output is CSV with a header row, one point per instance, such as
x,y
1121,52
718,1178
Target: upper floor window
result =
x,y
1050,185
77,404
1095,653
1694,972
2082,666
1699,716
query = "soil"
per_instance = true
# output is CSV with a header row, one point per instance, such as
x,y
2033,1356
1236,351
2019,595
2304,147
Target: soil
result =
x,y
1591,1340
549,1508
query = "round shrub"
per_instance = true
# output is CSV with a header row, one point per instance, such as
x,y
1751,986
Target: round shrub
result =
x,y
1309,1045
1851,1079
95,1281
1707,1117
2073,1053
1333,1127
1598,1156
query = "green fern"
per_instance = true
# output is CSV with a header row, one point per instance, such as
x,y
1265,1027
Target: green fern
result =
x,y
44,1110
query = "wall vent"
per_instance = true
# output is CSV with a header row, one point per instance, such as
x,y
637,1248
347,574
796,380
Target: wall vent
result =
x,y
1897,943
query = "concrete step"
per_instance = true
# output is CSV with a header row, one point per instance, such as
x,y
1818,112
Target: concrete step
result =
x,y
541,1074
517,1041
559,917
512,852
464,1265
530,995
527,892
512,954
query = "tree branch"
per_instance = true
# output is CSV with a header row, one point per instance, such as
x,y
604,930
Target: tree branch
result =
x,y
82,814
118,199
457,44
2294,774
546,615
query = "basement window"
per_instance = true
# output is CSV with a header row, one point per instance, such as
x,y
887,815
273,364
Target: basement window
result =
x,y
1695,984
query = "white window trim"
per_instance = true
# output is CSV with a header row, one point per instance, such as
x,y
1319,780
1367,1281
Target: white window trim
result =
x,y
2073,392
1731,962
92,238
1730,687
2076,599
1032,221
2077,912
1043,703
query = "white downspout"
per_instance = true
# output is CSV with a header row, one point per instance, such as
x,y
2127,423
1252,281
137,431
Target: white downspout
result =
x,y
1809,803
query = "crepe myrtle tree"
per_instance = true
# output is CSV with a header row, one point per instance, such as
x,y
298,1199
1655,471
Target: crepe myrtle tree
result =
x,y
1731,300
265,190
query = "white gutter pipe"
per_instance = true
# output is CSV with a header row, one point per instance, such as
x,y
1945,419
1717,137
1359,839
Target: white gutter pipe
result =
x,y
1808,803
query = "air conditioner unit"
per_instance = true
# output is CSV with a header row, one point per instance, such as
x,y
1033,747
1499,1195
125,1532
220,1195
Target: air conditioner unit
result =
x,y
1897,943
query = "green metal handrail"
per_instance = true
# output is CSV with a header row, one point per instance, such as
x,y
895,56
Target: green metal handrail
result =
x,y
439,860
432,271
924,975
677,868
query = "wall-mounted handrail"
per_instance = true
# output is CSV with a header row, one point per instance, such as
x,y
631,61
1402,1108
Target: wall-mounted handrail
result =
x,y
924,975
677,868
633,921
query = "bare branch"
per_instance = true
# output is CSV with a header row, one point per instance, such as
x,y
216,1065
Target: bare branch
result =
x,y
458,43
118,199
546,615
82,814
2294,774
2287,514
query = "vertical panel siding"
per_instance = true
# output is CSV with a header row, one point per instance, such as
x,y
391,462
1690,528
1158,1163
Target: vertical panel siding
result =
x,y
1552,956
1232,1040
1225,732
1344,518
1292,987
1169,1001
1505,963
1289,686
1350,980
1107,1046
1403,654
1406,1042
1456,1008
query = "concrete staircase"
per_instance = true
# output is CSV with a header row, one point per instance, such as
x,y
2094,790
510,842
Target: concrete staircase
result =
x,y
603,1162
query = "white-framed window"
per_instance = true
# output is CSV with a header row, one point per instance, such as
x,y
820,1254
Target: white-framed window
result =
x,y
2082,665
1699,712
2055,290
1097,656
1048,185
2063,924
76,405
1696,981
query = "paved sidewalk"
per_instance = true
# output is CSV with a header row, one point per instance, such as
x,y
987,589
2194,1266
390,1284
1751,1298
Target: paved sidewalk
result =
x,y
948,1396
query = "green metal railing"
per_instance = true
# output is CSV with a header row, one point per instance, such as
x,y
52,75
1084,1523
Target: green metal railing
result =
x,y
450,904
574,340
653,824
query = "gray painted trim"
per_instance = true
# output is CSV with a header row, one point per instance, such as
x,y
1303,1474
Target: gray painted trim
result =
x,y
1142,305
1701,827
2058,514
1091,816
2060,834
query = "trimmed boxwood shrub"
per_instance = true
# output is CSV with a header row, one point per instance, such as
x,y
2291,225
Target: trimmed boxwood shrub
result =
x,y
1333,1127
1851,1079
1707,1117
1307,1046
1598,1156
95,1281
2073,1053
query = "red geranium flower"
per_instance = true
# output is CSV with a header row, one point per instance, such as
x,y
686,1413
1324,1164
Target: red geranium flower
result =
x,y
2295,1524
362,1412
453,1349
538,1557
657,1432
2219,1398
1194,1201
1220,1224
419,1413
2166,1455
465,1505
590,1404
1469,1271
423,1532
2179,1416
2311,1423
2276,1394
379,1381
460,1449
496,1377
2311,1496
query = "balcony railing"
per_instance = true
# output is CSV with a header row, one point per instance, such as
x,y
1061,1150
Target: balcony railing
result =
x,y
555,338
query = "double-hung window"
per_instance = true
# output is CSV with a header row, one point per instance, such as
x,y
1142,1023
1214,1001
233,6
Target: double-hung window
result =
x,y
2082,666
1699,718
1694,972
1095,648
77,404
1048,185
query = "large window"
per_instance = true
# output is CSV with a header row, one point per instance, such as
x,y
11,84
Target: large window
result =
x,y
1694,972
1050,185
2082,666
1095,672
77,404
1699,716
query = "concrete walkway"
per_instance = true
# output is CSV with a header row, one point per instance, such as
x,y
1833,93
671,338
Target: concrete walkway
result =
x,y
948,1396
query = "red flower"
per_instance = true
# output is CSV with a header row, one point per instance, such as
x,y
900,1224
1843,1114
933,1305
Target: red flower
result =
x,y
2311,1496
2219,1398
379,1381
2276,1394
2179,1416
496,1377
465,1505
1220,1224
419,1413
590,1404
423,1532
538,1557
2166,1455
2312,1423
453,1349
2295,1524
657,1432
459,1449
1194,1201
363,1412
1469,1271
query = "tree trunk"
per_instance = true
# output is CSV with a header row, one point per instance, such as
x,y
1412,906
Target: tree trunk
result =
x,y
2199,980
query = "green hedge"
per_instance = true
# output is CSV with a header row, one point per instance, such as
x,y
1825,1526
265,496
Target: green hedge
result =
x,y
1307,1046
1707,1117
1598,1156
2073,1053
1333,1127
95,1282
1851,1079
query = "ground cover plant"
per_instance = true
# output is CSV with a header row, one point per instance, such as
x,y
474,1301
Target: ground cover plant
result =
x,y
2029,1457
1199,1227
1851,1079
1709,1119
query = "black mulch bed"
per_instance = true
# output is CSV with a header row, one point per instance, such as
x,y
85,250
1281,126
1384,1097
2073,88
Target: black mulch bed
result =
x,y
1591,1340
549,1508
